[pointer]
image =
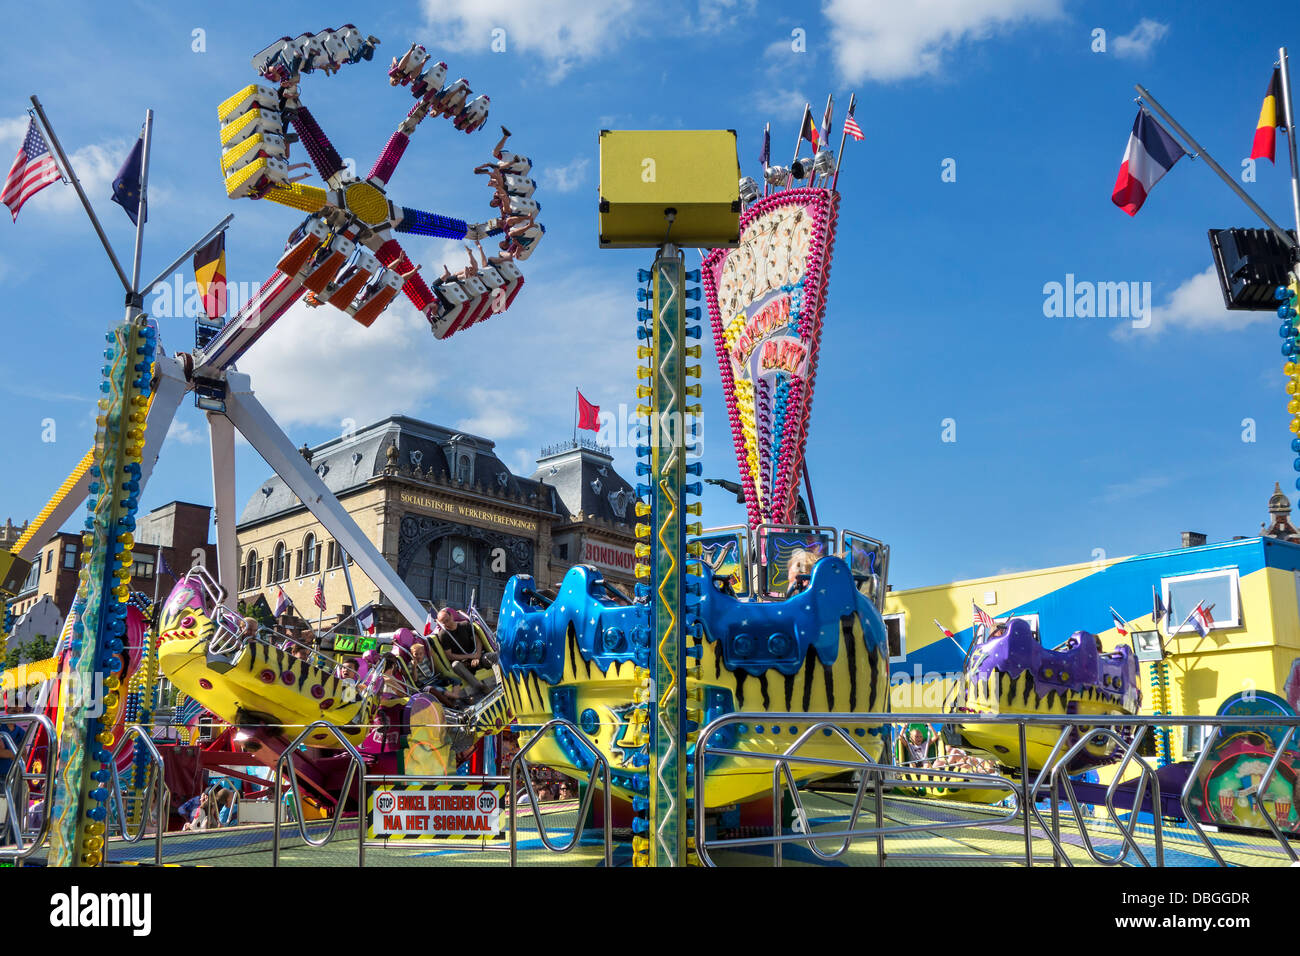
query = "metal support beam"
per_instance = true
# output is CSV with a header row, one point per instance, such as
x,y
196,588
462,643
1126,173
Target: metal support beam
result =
x,y
168,392
667,767
221,435
255,424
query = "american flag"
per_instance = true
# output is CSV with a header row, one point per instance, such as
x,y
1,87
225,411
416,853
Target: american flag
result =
x,y
319,598
33,169
982,616
852,128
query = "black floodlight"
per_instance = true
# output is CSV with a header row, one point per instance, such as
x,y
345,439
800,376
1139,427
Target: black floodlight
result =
x,y
1251,263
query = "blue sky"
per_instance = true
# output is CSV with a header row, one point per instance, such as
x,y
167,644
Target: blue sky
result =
x,y
1072,434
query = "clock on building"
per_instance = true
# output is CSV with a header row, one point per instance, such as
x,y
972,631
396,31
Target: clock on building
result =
x,y
458,554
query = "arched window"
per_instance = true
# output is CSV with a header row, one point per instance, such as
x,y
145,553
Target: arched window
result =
x,y
281,566
310,554
462,470
252,571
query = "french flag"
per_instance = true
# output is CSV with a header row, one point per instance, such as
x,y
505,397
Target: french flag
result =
x,y
1121,625
1151,153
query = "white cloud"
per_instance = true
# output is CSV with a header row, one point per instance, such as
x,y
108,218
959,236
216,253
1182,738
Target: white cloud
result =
x,y
719,14
564,33
497,413
183,433
885,41
1137,43
1136,488
512,377
781,103
1197,306
318,366
567,178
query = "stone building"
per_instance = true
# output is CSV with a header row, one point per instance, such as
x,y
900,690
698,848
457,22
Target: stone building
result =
x,y
168,541
445,512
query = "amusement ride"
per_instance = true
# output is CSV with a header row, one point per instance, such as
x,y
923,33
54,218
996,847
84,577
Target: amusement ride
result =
x,y
776,619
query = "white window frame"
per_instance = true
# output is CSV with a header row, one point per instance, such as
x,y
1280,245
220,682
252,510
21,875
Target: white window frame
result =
x,y
901,618
1031,618
981,636
1220,623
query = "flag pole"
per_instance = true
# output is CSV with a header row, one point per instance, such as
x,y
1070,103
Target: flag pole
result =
x,y
1289,114
1209,161
798,141
347,576
951,637
575,416
141,209
827,117
835,181
157,574
67,170
767,134
207,236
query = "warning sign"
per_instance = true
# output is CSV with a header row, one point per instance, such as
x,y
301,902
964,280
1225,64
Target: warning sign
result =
x,y
444,811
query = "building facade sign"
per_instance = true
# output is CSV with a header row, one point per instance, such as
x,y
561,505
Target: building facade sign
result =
x,y
608,557
468,512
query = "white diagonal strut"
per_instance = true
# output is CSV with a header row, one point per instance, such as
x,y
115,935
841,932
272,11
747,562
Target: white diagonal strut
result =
x,y
255,424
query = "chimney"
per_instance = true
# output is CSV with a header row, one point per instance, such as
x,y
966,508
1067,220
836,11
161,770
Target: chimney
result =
x,y
1193,539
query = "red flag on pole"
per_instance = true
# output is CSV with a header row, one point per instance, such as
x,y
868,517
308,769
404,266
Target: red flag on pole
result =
x,y
588,415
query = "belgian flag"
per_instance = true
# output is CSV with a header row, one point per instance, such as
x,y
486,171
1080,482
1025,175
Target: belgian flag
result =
x,y
1270,118
210,274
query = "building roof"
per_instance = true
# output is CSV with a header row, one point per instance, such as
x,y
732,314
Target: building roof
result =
x,y
586,482
425,450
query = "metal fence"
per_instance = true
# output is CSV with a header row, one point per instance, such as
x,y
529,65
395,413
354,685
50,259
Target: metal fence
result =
x,y
1051,781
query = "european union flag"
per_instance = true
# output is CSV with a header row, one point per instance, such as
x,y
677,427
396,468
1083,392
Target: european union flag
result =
x,y
126,187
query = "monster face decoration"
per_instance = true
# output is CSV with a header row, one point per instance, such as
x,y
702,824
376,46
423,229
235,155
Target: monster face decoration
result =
x,y
766,300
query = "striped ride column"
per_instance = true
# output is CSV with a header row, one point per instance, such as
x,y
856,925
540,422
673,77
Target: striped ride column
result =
x,y
79,807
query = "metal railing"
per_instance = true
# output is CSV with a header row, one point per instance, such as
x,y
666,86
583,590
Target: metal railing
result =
x,y
356,770
598,761
1052,779
154,781
17,782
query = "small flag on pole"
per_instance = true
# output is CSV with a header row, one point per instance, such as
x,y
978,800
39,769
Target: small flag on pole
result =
x,y
982,617
1201,619
1151,152
766,156
428,625
319,597
34,168
808,131
162,565
366,619
282,604
1121,625
210,274
851,125
1157,607
126,187
826,121
1270,118
588,414
942,629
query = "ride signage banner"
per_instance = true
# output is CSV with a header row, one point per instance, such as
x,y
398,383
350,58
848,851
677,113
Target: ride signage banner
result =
x,y
767,297
404,810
